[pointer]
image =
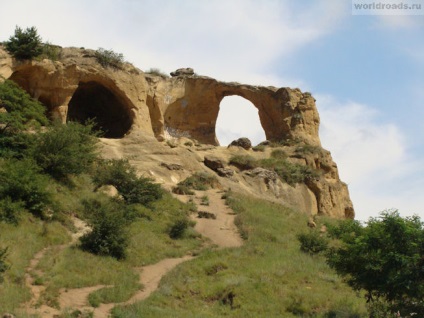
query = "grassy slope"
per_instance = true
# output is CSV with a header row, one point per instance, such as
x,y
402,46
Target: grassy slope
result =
x,y
267,277
73,268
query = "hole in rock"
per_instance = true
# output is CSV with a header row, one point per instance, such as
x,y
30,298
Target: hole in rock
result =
x,y
238,118
94,101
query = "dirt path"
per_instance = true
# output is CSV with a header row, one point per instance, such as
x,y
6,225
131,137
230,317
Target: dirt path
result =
x,y
221,231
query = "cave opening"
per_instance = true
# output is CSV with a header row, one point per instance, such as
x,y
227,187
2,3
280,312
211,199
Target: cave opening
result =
x,y
93,101
238,118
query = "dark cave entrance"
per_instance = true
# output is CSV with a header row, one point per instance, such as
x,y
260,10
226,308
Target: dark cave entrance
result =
x,y
93,101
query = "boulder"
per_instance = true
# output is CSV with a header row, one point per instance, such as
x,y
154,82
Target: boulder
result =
x,y
188,71
172,166
214,163
242,142
225,172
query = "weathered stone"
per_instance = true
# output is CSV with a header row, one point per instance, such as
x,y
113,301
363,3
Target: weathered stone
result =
x,y
214,163
263,173
242,142
225,172
172,166
206,215
109,190
188,71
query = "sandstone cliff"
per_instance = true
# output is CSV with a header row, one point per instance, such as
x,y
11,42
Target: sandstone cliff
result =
x,y
139,111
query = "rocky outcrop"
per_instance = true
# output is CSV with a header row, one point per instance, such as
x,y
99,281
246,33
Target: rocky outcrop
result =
x,y
243,142
128,102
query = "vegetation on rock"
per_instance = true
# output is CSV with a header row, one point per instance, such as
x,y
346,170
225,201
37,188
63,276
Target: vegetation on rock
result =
x,y
24,44
109,58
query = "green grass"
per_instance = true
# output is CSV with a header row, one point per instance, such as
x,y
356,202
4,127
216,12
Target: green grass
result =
x,y
149,243
288,172
267,277
24,241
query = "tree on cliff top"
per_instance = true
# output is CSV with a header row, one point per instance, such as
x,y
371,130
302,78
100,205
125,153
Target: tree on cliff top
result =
x,y
25,44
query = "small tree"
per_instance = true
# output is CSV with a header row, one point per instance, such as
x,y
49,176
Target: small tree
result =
x,y
18,110
66,149
24,44
123,176
108,236
386,259
22,184
109,58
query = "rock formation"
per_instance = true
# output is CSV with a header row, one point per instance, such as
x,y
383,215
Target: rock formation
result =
x,y
128,103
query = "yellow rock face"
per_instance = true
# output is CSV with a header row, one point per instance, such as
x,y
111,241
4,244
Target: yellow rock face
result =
x,y
144,107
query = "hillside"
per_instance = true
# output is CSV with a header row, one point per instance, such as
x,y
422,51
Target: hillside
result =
x,y
138,111
153,218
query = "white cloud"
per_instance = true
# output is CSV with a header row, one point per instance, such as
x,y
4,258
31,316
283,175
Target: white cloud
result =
x,y
399,22
372,157
233,40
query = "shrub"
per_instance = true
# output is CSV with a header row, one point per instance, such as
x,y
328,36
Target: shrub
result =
x,y
24,44
3,265
178,228
109,58
157,72
385,259
306,148
9,210
108,236
260,148
291,173
21,111
243,162
20,181
312,242
199,181
16,145
123,176
66,149
51,52
278,154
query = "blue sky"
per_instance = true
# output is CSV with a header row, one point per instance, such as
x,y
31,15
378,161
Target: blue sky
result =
x,y
366,72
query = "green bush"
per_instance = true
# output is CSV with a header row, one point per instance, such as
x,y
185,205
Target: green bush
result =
x,y
109,58
178,228
9,210
291,173
66,149
24,44
157,72
199,181
16,145
260,148
3,265
22,112
22,182
51,52
243,162
312,242
108,236
278,154
123,176
385,259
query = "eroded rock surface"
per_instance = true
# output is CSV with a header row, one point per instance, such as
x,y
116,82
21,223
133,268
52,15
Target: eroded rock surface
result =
x,y
137,110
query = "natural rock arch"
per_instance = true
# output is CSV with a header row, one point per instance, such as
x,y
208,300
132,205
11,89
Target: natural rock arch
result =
x,y
238,117
93,101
